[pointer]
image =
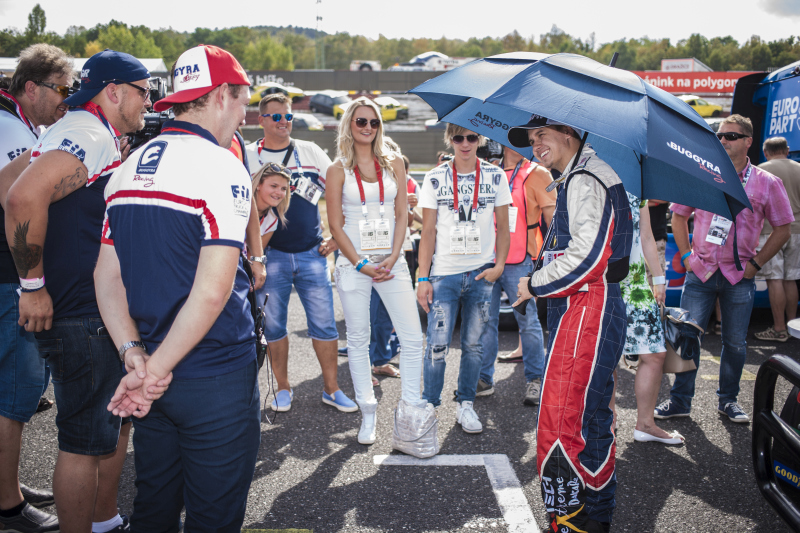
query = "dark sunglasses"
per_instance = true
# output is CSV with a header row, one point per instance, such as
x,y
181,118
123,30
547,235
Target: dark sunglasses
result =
x,y
62,90
276,117
458,139
731,136
145,92
362,122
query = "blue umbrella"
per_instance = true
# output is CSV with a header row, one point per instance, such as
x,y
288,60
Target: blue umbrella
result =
x,y
657,144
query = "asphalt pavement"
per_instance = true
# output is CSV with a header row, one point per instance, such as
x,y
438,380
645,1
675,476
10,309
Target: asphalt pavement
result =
x,y
312,474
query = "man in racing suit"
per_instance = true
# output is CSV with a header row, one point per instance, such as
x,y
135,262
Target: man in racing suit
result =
x,y
585,257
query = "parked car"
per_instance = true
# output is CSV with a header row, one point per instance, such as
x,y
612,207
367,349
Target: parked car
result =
x,y
306,121
703,108
391,109
326,101
365,65
259,92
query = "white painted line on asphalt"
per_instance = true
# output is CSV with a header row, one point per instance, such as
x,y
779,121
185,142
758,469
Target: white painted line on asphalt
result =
x,y
436,460
505,484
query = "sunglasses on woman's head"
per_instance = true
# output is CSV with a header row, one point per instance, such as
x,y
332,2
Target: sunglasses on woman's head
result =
x,y
458,139
362,122
276,117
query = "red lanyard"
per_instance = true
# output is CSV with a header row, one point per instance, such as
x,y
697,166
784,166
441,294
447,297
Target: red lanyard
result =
x,y
474,192
379,172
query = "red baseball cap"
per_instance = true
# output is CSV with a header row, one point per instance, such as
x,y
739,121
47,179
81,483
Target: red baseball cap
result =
x,y
199,71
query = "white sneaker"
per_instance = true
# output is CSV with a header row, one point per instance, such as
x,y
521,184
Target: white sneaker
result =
x,y
468,418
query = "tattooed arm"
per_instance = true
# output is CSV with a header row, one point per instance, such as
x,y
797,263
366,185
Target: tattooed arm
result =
x,y
52,176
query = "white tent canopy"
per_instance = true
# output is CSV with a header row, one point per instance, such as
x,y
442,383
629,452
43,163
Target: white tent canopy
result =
x,y
155,65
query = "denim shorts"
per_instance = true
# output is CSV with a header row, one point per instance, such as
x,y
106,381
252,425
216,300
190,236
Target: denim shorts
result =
x,y
22,371
86,371
308,272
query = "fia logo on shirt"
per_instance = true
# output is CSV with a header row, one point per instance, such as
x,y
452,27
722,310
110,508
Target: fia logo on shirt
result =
x,y
241,200
151,157
13,154
72,148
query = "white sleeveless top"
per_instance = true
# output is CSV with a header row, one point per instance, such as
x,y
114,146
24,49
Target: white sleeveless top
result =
x,y
351,206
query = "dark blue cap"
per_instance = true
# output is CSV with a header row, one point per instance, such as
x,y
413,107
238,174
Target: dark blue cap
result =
x,y
103,68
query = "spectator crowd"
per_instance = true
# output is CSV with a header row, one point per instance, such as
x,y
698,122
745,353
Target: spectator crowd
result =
x,y
173,246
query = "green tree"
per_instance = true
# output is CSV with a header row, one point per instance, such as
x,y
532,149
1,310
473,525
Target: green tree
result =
x,y
37,21
266,54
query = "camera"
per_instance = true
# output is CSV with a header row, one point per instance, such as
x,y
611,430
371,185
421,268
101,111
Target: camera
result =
x,y
153,122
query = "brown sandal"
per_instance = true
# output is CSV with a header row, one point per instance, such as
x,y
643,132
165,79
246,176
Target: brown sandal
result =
x,y
386,370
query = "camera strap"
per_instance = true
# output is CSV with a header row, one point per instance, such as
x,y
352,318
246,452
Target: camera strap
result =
x,y
289,152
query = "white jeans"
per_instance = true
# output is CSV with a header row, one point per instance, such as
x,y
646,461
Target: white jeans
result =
x,y
398,296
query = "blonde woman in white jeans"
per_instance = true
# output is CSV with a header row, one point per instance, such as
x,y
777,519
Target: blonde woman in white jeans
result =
x,y
363,168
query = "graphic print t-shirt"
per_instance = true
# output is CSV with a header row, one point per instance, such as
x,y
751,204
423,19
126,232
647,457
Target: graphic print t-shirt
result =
x,y
437,193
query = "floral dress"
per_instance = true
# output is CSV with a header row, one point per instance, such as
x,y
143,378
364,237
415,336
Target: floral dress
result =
x,y
645,330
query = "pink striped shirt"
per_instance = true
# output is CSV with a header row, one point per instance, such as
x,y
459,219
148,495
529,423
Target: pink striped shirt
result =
x,y
768,197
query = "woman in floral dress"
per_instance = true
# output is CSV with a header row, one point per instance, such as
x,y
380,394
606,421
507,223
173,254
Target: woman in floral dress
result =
x,y
645,336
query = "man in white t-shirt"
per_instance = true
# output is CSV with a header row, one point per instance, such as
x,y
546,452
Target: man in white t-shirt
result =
x,y
35,98
296,255
458,238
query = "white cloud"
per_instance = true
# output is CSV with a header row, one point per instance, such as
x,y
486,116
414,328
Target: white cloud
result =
x,y
781,8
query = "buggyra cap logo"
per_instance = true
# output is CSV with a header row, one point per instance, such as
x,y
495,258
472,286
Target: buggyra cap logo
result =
x,y
192,71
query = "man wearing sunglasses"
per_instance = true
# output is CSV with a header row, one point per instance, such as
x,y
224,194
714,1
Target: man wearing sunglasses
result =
x,y
59,195
711,271
35,98
458,264
297,253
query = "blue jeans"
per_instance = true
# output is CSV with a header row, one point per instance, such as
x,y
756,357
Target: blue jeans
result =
x,y
22,372
736,302
86,370
474,297
197,448
530,330
308,272
382,342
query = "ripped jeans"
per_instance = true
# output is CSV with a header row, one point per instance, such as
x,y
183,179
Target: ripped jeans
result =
x,y
474,297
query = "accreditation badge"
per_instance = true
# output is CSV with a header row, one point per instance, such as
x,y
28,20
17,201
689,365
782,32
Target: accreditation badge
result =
x,y
512,218
366,229
308,190
718,230
383,239
457,240
473,239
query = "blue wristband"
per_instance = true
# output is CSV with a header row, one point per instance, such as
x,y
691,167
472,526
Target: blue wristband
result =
x,y
419,280
684,256
361,264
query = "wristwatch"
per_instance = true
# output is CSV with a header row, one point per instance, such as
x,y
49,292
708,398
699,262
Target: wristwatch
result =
x,y
260,259
128,345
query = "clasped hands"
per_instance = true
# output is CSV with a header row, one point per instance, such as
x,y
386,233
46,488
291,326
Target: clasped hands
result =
x,y
145,383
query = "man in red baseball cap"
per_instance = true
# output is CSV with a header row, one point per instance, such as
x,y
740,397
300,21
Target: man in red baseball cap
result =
x,y
173,291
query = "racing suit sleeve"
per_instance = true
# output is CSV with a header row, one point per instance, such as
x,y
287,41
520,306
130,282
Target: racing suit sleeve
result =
x,y
591,226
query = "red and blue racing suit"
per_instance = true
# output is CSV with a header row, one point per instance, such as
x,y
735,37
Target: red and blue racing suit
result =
x,y
591,240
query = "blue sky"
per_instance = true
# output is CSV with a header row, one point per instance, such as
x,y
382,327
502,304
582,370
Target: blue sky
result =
x,y
609,19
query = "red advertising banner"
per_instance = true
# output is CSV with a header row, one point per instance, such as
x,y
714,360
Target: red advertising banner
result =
x,y
692,82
